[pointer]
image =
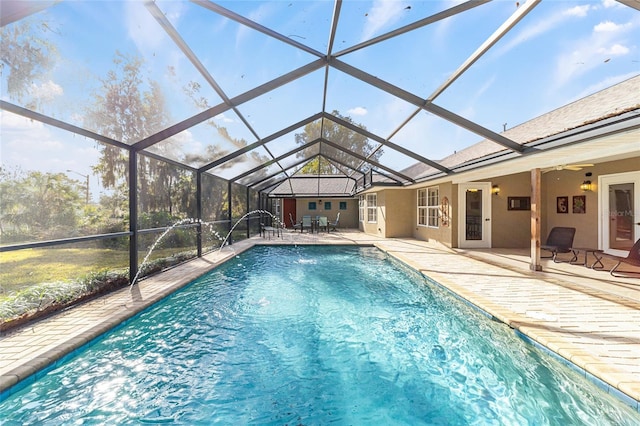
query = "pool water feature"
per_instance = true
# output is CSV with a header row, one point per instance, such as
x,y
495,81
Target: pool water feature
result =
x,y
313,335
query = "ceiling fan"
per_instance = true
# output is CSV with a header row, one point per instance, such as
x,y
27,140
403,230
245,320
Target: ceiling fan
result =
x,y
572,167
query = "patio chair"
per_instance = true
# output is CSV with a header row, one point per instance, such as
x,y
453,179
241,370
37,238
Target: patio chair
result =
x,y
560,240
306,223
333,225
633,259
294,225
264,229
323,222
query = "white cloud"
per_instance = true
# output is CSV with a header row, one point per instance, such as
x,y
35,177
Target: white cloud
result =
x,y
46,91
382,14
543,26
357,111
614,50
579,11
143,29
586,54
611,3
222,117
608,27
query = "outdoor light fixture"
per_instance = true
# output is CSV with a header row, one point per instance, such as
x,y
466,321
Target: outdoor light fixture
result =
x,y
586,184
495,189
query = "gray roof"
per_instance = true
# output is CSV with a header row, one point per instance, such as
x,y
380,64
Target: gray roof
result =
x,y
315,185
613,101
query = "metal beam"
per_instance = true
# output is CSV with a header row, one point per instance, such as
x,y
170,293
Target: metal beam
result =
x,y
15,10
254,25
184,47
432,108
386,142
270,162
181,126
32,115
133,215
415,25
519,14
261,142
365,159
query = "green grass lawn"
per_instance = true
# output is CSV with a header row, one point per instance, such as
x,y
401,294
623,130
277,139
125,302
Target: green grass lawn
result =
x,y
24,268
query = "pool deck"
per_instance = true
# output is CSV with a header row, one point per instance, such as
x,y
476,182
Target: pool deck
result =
x,y
587,317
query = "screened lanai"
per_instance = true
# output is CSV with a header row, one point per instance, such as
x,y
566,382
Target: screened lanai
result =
x,y
123,119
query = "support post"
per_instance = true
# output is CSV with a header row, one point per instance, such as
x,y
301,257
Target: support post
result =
x,y
248,200
229,210
133,214
536,197
199,212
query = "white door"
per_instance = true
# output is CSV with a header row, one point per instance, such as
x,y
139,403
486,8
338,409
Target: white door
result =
x,y
474,215
619,212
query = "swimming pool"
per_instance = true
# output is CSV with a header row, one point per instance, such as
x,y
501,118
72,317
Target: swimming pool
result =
x,y
313,335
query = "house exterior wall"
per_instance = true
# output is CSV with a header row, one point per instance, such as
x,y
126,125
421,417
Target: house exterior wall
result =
x,y
510,228
444,233
397,209
348,217
565,183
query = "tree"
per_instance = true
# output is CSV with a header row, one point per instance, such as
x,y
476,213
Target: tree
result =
x,y
129,108
26,57
336,133
39,205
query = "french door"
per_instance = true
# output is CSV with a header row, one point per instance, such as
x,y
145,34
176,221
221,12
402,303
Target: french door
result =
x,y
474,215
619,212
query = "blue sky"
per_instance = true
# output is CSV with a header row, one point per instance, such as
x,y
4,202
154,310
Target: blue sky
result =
x,y
561,52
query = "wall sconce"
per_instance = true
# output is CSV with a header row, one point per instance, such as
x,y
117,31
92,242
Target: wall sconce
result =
x,y
586,185
495,189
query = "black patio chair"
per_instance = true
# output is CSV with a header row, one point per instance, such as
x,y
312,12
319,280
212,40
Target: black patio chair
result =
x,y
633,259
560,240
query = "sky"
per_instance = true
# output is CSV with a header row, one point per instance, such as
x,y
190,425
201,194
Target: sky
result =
x,y
559,53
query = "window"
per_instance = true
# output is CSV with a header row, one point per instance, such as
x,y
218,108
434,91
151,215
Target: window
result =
x,y
276,207
372,208
312,205
361,205
422,207
433,207
327,205
343,205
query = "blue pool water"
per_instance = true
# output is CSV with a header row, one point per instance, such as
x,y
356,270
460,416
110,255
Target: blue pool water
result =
x,y
314,335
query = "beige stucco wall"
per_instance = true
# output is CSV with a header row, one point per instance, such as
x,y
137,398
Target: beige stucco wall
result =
x,y
510,228
566,183
348,217
445,232
398,206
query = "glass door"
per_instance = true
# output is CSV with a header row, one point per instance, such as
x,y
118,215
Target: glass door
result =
x,y
474,200
619,212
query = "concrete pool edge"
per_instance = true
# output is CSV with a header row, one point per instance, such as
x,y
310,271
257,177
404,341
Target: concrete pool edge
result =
x,y
575,358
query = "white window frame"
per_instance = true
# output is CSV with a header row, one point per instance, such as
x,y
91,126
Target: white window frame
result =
x,y
361,205
433,207
422,207
372,208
